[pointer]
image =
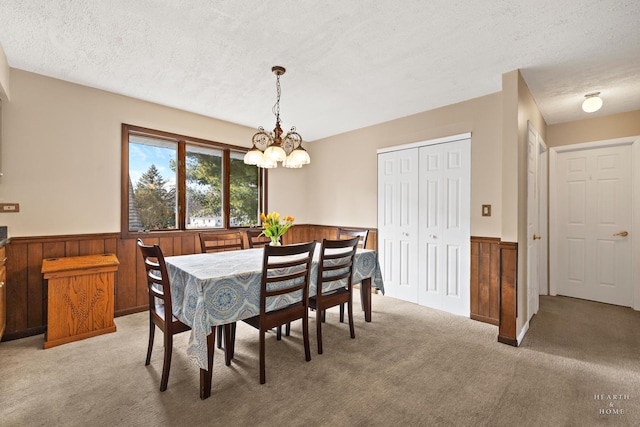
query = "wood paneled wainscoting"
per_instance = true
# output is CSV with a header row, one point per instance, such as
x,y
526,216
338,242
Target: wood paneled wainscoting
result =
x,y
508,293
26,289
493,273
494,268
485,279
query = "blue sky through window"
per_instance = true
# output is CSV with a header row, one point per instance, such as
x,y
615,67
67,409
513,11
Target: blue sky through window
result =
x,y
143,152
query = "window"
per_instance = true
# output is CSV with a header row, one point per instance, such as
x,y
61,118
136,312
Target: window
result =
x,y
174,182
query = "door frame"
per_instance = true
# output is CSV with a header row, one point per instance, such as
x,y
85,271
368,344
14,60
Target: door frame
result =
x,y
543,217
634,142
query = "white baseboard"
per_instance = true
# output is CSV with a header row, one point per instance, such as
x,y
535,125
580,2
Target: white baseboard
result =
x,y
523,332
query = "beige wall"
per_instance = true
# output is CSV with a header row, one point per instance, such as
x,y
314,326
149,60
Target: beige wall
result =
x,y
342,178
595,129
519,108
61,158
4,76
509,185
61,152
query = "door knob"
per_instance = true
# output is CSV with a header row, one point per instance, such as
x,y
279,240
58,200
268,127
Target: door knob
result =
x,y
536,237
622,233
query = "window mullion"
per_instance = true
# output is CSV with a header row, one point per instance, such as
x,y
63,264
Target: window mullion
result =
x,y
181,197
226,187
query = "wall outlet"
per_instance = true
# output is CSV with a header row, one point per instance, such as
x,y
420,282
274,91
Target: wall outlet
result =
x,y
9,207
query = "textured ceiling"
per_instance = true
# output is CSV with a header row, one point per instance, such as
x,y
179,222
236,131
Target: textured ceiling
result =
x,y
349,64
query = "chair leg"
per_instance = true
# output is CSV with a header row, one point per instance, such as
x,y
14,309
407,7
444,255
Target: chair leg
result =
x,y
279,333
350,314
341,313
319,315
262,343
152,331
305,337
233,339
166,366
287,329
324,315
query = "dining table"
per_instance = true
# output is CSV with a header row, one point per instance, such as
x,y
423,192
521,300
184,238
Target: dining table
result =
x,y
209,290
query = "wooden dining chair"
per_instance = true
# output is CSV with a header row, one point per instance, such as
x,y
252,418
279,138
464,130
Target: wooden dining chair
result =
x,y
219,242
255,239
286,270
160,307
347,233
335,266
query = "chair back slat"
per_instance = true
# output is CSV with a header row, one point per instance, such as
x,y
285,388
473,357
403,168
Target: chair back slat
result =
x,y
286,270
347,233
157,276
336,263
254,238
219,242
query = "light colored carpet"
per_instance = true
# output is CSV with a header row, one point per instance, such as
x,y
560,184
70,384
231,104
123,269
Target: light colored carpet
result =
x,y
410,366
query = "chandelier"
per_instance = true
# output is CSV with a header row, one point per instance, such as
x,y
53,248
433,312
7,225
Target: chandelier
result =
x,y
269,148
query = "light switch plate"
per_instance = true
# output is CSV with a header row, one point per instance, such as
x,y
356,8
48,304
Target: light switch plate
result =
x,y
9,207
486,210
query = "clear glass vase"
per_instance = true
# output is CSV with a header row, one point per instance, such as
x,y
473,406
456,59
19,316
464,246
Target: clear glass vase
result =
x,y
275,241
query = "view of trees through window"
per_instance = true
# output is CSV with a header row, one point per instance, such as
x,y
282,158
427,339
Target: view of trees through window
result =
x,y
154,196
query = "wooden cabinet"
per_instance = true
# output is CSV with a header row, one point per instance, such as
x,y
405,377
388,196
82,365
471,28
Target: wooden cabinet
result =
x,y
80,297
3,291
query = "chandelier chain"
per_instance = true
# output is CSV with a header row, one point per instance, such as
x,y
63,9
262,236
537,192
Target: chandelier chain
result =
x,y
276,106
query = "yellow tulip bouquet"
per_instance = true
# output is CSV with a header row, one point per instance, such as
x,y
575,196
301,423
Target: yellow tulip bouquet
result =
x,y
273,228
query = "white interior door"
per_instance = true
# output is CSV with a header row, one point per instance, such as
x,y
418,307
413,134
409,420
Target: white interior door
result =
x,y
536,236
398,222
532,223
444,217
593,216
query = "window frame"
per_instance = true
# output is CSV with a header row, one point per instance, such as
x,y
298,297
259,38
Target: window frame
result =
x,y
182,141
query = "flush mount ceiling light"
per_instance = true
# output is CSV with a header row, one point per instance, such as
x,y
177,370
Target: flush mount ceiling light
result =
x,y
592,103
269,148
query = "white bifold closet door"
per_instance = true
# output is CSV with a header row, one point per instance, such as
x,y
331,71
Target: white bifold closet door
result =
x,y
424,224
398,222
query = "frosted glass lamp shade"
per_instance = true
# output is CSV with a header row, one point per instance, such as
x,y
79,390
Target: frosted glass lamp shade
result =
x,y
592,103
275,153
299,156
253,156
267,163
